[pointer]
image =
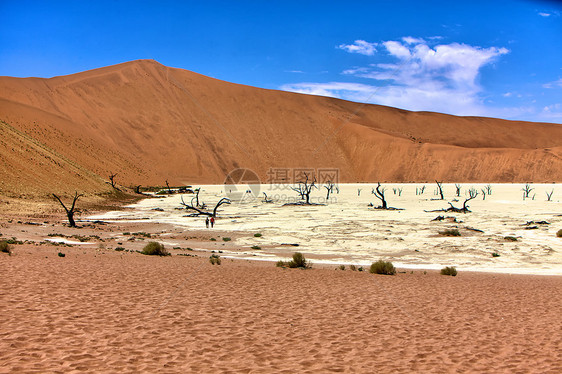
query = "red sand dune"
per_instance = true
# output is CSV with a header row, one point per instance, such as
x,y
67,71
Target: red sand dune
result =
x,y
148,123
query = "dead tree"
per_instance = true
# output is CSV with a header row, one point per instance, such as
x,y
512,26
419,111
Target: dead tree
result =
x,y
112,180
137,189
196,198
379,193
330,188
70,212
458,190
472,193
549,195
304,189
489,189
169,189
483,193
526,190
200,211
266,199
359,192
440,188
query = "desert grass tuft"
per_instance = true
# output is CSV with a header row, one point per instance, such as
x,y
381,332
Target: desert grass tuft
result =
x,y
382,267
215,260
155,249
449,270
450,232
5,247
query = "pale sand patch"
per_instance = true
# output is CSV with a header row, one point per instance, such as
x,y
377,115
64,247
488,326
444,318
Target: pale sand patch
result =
x,y
347,231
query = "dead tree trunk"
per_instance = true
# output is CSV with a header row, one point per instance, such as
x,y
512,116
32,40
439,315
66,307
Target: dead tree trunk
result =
x,y
200,211
379,193
112,180
304,189
169,189
196,198
458,190
266,199
440,189
527,190
549,195
137,190
330,188
70,212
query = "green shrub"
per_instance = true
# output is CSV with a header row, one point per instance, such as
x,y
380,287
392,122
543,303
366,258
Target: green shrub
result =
x,y
559,234
449,270
353,267
450,232
226,239
257,235
215,259
495,254
5,247
61,254
281,264
299,261
256,247
119,249
213,239
155,249
382,267
342,267
510,238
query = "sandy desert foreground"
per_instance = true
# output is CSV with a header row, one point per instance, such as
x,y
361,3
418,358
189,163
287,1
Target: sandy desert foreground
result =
x,y
99,310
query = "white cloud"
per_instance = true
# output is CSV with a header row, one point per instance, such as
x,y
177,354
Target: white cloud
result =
x,y
411,40
553,84
360,46
442,78
543,14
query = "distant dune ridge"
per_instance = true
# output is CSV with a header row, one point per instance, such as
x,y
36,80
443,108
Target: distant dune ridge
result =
x,y
150,123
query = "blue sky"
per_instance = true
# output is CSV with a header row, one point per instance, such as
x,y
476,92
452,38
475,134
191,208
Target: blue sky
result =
x,y
486,58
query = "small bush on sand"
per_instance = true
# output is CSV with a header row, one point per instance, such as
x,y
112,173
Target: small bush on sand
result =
x,y
119,249
5,248
382,267
299,261
281,264
256,247
510,238
352,267
155,249
450,232
449,270
257,235
342,267
226,239
495,254
215,259
61,254
559,234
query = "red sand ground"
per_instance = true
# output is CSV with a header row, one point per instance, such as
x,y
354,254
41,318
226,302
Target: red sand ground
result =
x,y
98,310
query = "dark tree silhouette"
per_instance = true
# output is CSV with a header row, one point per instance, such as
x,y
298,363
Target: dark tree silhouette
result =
x,y
70,212
440,187
201,211
379,193
305,188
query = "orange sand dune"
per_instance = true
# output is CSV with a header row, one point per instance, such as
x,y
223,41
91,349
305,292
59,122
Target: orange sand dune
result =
x,y
150,123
